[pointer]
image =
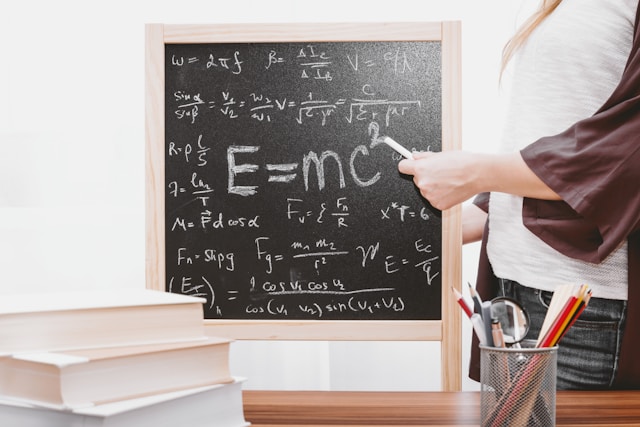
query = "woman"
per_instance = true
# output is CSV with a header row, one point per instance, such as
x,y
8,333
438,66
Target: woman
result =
x,y
562,208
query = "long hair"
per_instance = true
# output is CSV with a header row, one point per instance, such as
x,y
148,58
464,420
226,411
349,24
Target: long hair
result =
x,y
525,30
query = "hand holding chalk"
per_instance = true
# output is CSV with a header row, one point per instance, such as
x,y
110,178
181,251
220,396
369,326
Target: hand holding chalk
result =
x,y
399,148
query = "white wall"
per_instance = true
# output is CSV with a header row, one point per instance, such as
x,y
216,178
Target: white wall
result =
x,y
72,157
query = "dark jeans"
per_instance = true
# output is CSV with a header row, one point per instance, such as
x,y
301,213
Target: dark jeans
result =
x,y
588,353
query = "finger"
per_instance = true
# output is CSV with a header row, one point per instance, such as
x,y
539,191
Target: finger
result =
x,y
422,154
407,166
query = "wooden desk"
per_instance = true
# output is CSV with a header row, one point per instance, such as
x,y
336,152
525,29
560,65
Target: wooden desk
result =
x,y
435,409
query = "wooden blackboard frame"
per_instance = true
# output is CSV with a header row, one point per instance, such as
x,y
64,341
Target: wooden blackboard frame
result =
x,y
447,330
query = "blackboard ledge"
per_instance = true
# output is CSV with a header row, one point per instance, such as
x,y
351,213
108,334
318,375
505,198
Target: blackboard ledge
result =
x,y
316,330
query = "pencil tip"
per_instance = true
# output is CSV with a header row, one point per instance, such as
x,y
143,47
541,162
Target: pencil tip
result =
x,y
472,290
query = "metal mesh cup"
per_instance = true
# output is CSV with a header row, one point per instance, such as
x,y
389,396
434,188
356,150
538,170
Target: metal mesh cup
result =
x,y
518,386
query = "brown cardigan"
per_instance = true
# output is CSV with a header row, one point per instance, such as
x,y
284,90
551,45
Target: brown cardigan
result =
x,y
595,167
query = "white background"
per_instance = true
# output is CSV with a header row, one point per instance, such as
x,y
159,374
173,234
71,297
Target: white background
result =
x,y
72,157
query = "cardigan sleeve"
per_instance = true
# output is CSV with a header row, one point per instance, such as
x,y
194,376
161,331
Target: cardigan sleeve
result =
x,y
595,167
482,201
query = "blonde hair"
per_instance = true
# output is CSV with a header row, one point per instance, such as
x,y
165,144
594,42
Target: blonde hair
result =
x,y
545,9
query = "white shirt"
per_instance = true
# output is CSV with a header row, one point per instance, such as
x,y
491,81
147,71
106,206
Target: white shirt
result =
x,y
566,70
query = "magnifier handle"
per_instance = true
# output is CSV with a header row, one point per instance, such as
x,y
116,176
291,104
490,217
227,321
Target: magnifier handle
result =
x,y
486,320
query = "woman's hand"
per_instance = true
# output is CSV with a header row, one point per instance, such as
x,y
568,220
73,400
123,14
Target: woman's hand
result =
x,y
448,178
444,179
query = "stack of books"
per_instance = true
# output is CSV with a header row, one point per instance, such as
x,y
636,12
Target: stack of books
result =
x,y
113,358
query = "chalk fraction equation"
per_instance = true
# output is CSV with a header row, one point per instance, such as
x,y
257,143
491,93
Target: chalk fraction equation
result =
x,y
266,108
281,202
303,62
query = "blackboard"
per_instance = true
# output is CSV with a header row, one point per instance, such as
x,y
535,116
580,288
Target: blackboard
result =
x,y
268,191
281,200
238,119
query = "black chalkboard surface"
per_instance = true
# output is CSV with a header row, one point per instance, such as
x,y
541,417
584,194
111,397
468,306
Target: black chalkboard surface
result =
x,y
280,200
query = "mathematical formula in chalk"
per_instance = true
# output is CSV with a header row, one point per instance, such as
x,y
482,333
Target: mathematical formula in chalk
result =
x,y
281,201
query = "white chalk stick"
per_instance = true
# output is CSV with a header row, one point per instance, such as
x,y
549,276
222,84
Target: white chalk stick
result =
x,y
399,148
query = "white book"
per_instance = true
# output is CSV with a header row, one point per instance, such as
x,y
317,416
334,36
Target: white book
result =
x,y
83,319
85,377
213,406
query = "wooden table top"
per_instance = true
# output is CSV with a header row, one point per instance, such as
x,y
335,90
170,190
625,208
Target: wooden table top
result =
x,y
435,409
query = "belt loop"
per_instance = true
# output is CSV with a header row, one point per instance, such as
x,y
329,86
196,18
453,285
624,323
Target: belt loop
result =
x,y
502,287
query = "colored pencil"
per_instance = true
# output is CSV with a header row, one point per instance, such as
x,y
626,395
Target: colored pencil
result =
x,y
462,302
477,302
564,319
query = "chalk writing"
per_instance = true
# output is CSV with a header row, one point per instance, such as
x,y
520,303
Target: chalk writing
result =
x,y
281,202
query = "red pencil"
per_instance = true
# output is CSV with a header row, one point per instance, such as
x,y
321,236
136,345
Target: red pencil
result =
x,y
461,301
557,322
559,326
581,308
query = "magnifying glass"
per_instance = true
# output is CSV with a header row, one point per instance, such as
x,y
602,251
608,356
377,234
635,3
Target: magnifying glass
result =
x,y
512,317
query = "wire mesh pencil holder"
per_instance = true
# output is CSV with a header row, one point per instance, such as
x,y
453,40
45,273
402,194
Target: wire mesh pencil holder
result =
x,y
518,386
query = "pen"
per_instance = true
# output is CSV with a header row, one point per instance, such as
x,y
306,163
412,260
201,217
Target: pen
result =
x,y
485,314
479,329
399,148
497,334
